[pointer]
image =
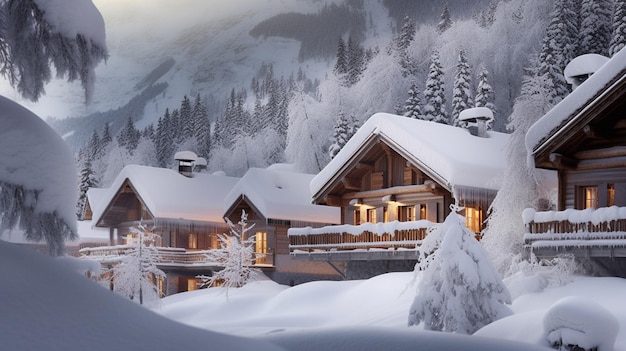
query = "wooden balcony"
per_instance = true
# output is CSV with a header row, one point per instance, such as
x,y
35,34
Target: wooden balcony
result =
x,y
169,257
393,240
584,233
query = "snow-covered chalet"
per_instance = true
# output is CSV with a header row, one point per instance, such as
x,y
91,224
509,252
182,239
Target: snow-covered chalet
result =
x,y
393,180
583,138
275,199
185,211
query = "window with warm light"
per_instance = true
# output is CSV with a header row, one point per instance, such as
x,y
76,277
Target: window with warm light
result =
x,y
473,219
357,217
191,284
590,197
193,241
610,196
261,246
371,215
406,213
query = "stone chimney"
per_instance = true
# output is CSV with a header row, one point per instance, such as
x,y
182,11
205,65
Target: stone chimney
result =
x,y
186,161
477,119
582,67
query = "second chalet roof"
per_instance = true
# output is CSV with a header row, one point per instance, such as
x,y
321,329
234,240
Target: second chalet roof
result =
x,y
280,193
168,194
449,154
548,128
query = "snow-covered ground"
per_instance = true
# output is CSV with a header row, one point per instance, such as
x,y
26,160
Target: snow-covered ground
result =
x,y
47,306
377,305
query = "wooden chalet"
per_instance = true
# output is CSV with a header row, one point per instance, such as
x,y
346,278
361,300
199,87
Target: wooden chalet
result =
x,y
583,138
393,180
276,199
184,210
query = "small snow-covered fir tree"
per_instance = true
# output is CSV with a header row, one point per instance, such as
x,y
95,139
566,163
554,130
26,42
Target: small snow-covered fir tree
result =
x,y
459,291
434,93
618,37
137,274
461,94
595,26
87,180
413,104
236,254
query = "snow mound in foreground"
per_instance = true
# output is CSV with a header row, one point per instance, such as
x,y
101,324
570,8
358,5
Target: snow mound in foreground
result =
x,y
578,321
46,306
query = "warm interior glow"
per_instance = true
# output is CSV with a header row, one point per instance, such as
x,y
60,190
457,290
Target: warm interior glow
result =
x,y
473,219
261,246
591,197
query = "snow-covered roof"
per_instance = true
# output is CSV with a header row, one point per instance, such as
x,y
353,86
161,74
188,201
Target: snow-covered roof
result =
x,y
449,154
280,193
168,194
566,112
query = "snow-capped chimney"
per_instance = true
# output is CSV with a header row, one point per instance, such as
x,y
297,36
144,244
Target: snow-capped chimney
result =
x,y
582,67
186,160
477,119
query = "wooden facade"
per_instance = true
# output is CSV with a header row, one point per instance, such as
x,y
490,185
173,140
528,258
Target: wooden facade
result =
x,y
588,152
384,183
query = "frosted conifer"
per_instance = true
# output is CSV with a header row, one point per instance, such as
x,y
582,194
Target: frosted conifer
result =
x,y
595,27
340,135
413,104
484,92
618,38
461,94
434,93
445,21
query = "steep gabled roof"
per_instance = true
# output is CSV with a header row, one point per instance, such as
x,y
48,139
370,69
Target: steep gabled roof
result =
x,y
449,155
280,193
168,194
573,113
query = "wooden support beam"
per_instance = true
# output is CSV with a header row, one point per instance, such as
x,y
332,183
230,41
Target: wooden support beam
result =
x,y
353,184
560,161
333,200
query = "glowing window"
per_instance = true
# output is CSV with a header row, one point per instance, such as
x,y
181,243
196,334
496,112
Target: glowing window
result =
x,y
371,215
261,246
610,196
473,219
191,284
406,213
590,197
193,241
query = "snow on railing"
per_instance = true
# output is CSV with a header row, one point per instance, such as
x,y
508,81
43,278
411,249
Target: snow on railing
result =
x,y
365,236
167,255
590,227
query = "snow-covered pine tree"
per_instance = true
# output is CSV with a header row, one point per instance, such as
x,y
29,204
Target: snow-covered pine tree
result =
x,y
484,93
106,135
445,21
461,93
164,141
618,37
403,41
341,66
413,104
434,93
459,291
236,254
356,61
340,135
128,137
174,126
31,42
202,128
136,276
556,52
87,180
186,119
595,27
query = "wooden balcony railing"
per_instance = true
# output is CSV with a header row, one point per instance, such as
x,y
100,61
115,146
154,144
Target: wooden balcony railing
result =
x,y
167,256
365,236
607,223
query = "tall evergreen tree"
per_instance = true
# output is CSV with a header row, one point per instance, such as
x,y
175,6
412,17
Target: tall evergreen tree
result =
x,y
341,66
202,126
461,93
413,104
556,52
175,126
164,142
340,135
445,21
484,92
106,135
403,41
595,27
355,61
434,93
87,179
618,37
128,137
187,125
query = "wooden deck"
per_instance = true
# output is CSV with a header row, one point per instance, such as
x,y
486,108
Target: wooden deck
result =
x,y
382,241
583,233
169,258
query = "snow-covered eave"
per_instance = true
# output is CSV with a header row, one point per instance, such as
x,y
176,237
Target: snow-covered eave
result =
x,y
550,128
109,198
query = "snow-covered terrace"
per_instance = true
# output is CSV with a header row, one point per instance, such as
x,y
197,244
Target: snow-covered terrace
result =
x,y
391,240
589,233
